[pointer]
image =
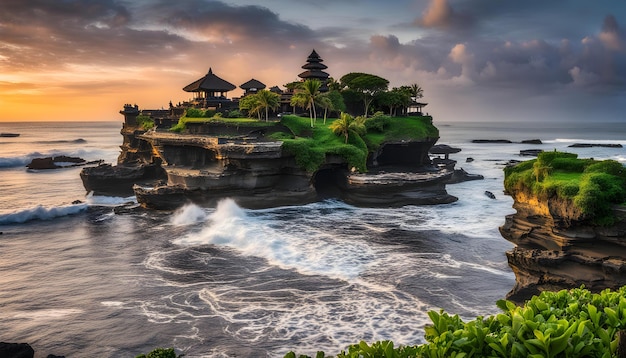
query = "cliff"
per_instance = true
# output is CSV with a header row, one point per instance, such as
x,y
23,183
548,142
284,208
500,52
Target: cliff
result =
x,y
251,162
560,244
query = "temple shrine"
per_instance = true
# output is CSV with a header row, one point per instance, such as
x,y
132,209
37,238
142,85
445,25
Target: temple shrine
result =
x,y
314,70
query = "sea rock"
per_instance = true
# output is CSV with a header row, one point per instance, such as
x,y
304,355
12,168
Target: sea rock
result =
x,y
530,152
106,179
460,175
16,350
166,170
532,141
489,194
504,141
589,145
55,162
558,248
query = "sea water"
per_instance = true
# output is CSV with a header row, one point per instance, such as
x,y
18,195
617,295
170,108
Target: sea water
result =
x,y
80,280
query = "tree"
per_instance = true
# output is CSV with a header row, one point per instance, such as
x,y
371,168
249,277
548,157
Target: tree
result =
x,y
267,99
346,124
367,85
306,95
416,91
397,97
325,102
251,104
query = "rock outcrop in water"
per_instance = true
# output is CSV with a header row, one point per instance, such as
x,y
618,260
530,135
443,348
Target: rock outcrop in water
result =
x,y
211,161
558,248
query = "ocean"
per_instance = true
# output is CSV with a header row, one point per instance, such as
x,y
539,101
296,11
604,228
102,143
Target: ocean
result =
x,y
81,280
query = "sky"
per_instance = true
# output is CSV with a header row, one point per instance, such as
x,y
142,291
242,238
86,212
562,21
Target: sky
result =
x,y
477,60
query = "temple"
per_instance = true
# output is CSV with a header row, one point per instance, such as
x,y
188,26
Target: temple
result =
x,y
252,87
206,91
314,70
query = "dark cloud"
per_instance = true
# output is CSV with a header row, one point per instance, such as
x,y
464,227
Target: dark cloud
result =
x,y
48,34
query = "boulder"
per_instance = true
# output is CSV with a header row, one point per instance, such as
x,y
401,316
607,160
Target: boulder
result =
x,y
530,152
16,350
61,161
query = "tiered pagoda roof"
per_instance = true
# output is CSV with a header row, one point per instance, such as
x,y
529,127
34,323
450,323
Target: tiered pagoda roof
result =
x,y
314,69
210,84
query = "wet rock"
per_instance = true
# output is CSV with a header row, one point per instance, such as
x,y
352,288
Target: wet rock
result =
x,y
16,350
469,160
502,141
489,194
460,175
530,152
532,141
589,145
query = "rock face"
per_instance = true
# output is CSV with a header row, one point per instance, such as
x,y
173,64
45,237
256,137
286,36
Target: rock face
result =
x,y
212,161
16,350
557,248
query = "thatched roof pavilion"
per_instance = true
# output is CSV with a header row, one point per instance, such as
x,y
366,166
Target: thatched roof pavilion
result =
x,y
209,85
314,67
252,86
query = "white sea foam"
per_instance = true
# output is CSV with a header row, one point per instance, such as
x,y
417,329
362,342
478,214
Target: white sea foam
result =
x,y
41,213
308,252
100,200
188,214
47,314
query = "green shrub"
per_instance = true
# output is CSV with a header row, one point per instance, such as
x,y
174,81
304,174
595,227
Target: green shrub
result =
x,y
235,113
145,122
194,113
378,122
574,323
607,166
161,353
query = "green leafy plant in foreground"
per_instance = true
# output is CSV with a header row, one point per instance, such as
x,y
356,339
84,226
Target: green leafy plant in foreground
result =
x,y
574,323
161,353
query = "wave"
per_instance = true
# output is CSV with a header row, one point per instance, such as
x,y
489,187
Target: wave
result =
x,y
19,161
41,213
100,200
309,253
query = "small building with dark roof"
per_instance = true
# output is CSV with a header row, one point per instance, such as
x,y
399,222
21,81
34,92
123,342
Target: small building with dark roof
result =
x,y
314,70
207,88
252,87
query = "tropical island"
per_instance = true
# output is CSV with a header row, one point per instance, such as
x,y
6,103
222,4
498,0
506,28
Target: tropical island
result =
x,y
316,139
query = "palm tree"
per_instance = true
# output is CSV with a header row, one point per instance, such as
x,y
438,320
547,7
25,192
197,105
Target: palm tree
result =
x,y
266,100
341,126
346,124
306,95
416,91
325,102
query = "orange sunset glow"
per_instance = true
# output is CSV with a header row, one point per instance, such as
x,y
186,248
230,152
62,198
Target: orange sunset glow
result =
x,y
82,60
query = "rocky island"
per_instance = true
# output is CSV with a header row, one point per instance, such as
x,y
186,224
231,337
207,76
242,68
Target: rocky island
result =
x,y
207,149
570,225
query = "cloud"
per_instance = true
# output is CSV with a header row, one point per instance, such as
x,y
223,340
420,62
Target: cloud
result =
x,y
611,36
440,14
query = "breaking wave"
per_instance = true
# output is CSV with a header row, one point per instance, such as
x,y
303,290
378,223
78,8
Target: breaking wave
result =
x,y
41,213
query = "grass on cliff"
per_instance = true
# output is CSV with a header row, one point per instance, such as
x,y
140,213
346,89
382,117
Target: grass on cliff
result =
x,y
311,145
181,125
592,186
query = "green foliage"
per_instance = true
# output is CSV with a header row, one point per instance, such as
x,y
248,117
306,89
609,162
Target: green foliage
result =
x,y
161,353
311,145
145,122
593,186
574,323
402,128
378,122
235,113
366,85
